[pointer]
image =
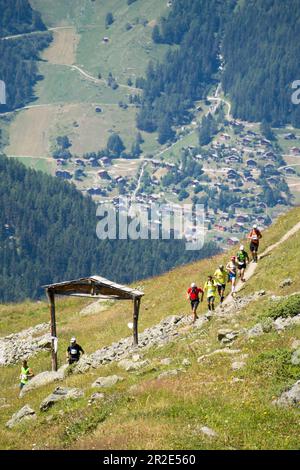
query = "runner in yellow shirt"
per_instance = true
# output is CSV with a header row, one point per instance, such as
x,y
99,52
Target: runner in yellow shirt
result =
x,y
220,277
211,287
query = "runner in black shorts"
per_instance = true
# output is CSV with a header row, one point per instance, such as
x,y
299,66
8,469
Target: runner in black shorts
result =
x,y
193,295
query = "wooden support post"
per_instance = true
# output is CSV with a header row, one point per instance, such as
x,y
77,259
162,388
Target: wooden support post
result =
x,y
51,298
136,304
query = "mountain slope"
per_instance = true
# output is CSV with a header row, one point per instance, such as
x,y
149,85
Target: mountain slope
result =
x,y
169,413
48,233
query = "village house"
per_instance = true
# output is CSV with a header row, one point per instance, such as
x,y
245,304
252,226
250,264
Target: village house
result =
x,y
65,174
103,175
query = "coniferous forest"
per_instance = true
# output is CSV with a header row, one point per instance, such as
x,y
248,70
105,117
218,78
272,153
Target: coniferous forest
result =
x,y
48,234
257,41
261,50
18,65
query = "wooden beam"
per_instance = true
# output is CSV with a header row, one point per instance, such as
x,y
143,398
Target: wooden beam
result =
x,y
51,297
136,310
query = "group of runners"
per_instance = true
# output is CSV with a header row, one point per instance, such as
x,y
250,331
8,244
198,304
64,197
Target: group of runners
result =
x,y
216,284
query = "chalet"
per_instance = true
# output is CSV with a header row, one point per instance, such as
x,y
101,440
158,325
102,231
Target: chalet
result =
x,y
232,159
242,218
295,150
250,179
220,228
103,175
289,170
61,162
251,163
232,241
232,174
269,166
105,40
272,179
63,174
290,136
120,179
238,227
95,191
270,154
94,163
105,161
79,162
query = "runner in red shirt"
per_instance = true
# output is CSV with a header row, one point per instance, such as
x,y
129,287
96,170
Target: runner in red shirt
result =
x,y
193,295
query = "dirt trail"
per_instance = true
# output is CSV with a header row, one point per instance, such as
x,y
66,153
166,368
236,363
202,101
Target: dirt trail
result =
x,y
252,266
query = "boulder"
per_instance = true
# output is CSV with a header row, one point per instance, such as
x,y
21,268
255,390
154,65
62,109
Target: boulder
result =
x,y
186,362
44,378
286,282
226,335
129,366
208,431
256,330
59,394
108,381
169,373
237,365
290,397
96,397
295,360
166,361
295,344
219,351
24,414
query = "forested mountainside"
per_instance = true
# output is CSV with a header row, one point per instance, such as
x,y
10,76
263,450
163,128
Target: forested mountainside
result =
x,y
261,49
194,29
48,233
18,17
259,44
18,67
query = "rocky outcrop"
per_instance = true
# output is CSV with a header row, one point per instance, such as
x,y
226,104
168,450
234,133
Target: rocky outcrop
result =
x,y
24,414
25,344
108,381
226,335
290,397
44,378
129,366
169,373
219,351
286,282
59,394
158,335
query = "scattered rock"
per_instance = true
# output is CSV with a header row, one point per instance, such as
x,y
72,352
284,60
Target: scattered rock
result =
x,y
131,366
236,380
166,361
286,282
295,360
169,373
24,414
226,335
219,351
256,330
295,344
237,365
108,381
25,344
281,324
59,394
96,397
260,293
186,362
44,378
290,397
208,431
136,357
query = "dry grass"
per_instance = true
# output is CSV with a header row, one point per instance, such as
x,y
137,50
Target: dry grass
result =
x,y
167,414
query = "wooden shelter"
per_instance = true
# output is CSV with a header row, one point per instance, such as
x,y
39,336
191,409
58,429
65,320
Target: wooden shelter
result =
x,y
96,287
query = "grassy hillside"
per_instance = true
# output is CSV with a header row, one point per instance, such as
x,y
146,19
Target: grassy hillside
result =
x,y
167,413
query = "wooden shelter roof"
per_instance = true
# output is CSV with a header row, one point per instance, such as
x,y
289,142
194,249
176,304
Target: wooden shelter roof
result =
x,y
94,286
